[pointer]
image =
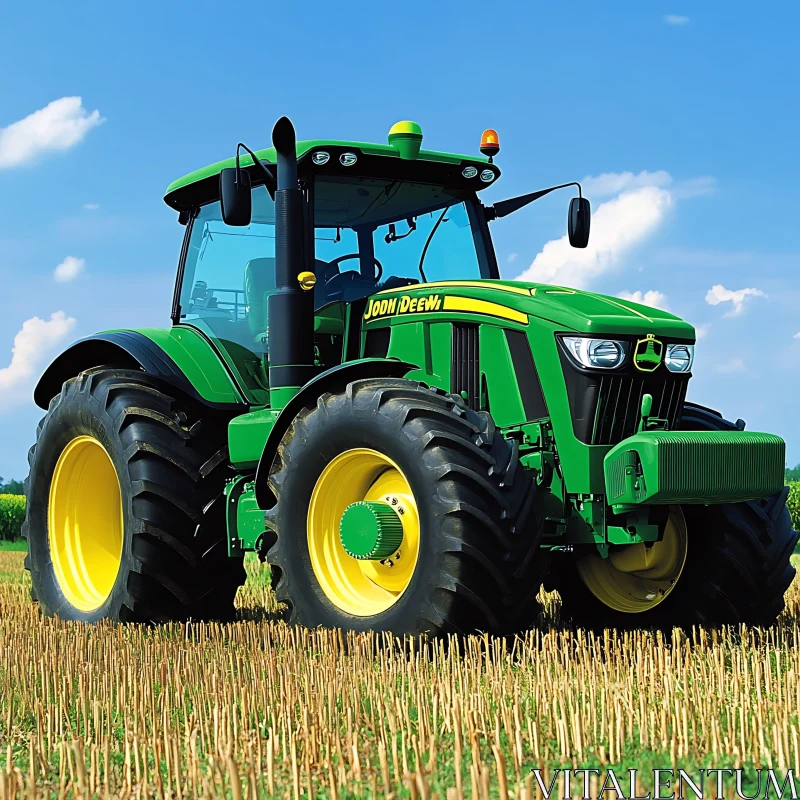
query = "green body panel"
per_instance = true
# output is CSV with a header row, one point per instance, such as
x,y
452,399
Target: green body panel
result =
x,y
247,434
244,519
198,361
233,370
658,467
503,389
268,155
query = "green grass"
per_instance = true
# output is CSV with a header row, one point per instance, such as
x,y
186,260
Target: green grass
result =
x,y
257,572
17,546
12,515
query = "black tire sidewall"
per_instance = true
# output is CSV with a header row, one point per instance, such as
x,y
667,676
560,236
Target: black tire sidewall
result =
x,y
75,414
346,430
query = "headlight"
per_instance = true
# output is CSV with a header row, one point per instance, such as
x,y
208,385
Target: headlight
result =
x,y
596,353
679,357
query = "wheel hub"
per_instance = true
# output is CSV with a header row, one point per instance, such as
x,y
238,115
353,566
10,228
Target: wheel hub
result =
x,y
370,530
638,577
363,532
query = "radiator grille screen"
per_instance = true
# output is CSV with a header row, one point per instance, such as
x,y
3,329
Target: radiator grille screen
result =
x,y
620,402
605,407
465,373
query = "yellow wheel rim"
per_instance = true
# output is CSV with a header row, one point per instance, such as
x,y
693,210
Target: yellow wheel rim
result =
x,y
361,588
85,528
638,577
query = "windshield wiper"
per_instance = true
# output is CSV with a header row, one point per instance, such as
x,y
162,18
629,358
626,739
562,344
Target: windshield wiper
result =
x,y
392,235
428,241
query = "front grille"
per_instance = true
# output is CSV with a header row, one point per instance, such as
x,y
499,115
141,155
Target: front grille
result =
x,y
465,374
620,401
605,407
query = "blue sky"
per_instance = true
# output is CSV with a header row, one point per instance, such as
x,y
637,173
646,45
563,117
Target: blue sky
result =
x,y
684,116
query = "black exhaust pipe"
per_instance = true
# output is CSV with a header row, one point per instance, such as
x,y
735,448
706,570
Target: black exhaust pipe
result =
x,y
290,308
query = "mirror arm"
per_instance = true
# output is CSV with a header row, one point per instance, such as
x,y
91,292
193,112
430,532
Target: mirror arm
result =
x,y
506,207
269,179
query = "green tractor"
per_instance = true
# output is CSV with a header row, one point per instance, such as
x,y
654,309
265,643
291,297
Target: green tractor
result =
x,y
413,445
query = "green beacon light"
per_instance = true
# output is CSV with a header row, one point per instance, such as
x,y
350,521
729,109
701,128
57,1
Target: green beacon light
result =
x,y
406,138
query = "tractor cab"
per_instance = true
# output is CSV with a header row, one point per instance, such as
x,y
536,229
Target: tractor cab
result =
x,y
378,217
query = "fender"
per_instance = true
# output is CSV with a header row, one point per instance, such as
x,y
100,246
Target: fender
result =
x,y
179,356
697,417
334,379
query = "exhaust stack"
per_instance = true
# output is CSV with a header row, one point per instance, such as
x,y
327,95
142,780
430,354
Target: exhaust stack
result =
x,y
290,308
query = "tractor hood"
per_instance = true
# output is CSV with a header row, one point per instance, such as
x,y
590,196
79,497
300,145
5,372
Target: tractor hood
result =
x,y
570,309
598,313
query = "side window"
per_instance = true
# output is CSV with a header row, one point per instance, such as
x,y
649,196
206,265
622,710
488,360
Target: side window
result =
x,y
229,274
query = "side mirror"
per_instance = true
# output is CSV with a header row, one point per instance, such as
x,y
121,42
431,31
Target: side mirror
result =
x,y
235,198
578,221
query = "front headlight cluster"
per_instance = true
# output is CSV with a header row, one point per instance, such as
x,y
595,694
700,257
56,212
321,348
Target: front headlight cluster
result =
x,y
679,357
596,353
611,353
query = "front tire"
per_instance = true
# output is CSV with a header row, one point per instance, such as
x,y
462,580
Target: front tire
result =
x,y
737,567
125,514
466,519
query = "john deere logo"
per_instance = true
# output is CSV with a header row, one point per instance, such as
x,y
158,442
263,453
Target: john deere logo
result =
x,y
648,353
382,307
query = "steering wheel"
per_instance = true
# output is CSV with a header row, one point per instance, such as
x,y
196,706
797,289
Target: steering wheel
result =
x,y
336,261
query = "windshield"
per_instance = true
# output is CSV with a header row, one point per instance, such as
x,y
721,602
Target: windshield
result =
x,y
370,234
376,234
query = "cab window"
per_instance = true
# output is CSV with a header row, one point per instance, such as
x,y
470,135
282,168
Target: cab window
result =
x,y
229,274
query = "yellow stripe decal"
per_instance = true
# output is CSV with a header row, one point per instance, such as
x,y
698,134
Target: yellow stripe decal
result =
x,y
471,306
461,284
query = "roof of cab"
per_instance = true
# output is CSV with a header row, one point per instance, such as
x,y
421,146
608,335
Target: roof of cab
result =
x,y
268,155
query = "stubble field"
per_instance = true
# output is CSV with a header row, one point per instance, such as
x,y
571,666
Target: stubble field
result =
x,y
255,708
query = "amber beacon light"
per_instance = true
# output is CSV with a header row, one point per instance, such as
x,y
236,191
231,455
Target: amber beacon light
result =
x,y
490,143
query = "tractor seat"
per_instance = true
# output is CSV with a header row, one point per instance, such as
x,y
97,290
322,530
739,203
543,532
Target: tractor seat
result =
x,y
259,284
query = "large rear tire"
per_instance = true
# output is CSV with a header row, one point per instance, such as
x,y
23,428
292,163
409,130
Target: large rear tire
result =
x,y
737,567
126,513
466,522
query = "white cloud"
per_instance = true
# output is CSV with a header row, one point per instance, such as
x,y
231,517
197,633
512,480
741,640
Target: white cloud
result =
x,y
618,226
512,257
719,294
732,365
608,183
58,126
69,269
797,335
675,19
91,206
652,298
611,183
31,346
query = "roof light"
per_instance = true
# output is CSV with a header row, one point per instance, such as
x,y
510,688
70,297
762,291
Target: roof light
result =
x,y
321,157
487,175
348,159
490,143
469,172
